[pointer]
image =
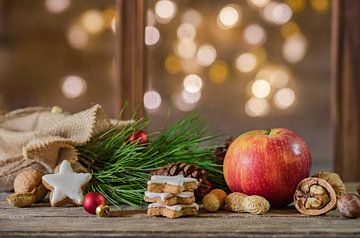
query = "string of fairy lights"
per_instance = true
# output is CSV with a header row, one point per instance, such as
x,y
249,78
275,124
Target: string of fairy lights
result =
x,y
270,85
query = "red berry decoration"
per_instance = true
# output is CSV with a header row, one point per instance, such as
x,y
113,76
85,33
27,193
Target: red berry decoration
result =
x,y
139,136
92,200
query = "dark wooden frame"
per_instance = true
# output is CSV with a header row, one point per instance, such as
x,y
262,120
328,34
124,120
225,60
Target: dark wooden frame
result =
x,y
129,57
346,88
345,93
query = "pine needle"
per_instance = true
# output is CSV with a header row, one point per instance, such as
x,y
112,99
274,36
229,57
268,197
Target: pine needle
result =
x,y
120,169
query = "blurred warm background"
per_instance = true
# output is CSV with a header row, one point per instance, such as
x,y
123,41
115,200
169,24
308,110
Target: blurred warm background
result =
x,y
243,64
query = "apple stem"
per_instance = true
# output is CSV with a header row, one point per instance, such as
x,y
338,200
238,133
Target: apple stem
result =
x,y
267,132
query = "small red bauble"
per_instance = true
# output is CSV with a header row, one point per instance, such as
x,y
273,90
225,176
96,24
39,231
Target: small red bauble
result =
x,y
92,200
139,136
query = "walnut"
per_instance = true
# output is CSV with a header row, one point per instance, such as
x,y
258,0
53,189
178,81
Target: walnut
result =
x,y
29,181
334,180
314,196
349,205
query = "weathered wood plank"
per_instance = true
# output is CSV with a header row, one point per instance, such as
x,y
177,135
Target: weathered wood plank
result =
x,y
43,220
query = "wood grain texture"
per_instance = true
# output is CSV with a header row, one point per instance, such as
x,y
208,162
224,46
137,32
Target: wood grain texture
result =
x,y
45,221
129,56
346,87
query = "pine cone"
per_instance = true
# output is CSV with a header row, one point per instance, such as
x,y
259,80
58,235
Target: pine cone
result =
x,y
220,152
190,171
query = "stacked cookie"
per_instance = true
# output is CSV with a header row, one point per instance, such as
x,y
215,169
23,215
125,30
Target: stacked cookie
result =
x,y
171,196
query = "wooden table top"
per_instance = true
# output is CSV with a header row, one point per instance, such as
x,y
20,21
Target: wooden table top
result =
x,y
43,220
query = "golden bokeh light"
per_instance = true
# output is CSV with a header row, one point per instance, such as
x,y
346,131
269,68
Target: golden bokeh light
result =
x,y
284,98
152,35
186,31
257,107
192,17
113,24
296,5
277,75
152,100
57,6
246,62
260,54
289,29
294,48
108,16
277,13
150,18
261,88
258,3
229,16
92,21
173,64
186,49
77,37
165,10
190,98
190,66
218,72
192,83
320,6
182,105
279,78
206,55
73,86
254,34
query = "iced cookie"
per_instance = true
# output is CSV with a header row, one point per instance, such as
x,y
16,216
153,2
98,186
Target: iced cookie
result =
x,y
169,198
66,186
156,209
171,184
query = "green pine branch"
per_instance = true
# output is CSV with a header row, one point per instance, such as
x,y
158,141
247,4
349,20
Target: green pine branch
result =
x,y
120,169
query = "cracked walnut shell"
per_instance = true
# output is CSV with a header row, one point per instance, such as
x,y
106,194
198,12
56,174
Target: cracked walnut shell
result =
x,y
314,196
334,180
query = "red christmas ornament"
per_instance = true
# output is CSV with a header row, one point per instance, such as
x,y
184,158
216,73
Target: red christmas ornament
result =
x,y
139,136
92,200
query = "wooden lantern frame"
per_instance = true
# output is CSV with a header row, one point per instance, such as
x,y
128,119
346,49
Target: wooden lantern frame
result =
x,y
345,81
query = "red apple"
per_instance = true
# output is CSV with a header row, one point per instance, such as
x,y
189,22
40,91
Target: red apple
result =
x,y
268,163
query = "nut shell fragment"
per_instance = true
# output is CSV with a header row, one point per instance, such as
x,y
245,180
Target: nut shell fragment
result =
x,y
256,205
314,196
234,202
334,180
21,199
27,180
214,200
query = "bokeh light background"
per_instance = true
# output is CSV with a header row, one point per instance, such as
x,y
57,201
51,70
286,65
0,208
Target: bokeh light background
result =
x,y
242,64
251,64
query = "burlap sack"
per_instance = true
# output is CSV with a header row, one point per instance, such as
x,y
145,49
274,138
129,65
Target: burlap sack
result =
x,y
35,137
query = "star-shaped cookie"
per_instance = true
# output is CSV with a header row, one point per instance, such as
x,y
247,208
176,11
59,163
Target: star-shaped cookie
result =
x,y
66,186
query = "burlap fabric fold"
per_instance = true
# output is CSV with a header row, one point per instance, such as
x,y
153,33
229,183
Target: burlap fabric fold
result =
x,y
35,137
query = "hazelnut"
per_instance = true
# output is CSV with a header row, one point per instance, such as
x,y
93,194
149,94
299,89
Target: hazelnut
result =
x,y
349,205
